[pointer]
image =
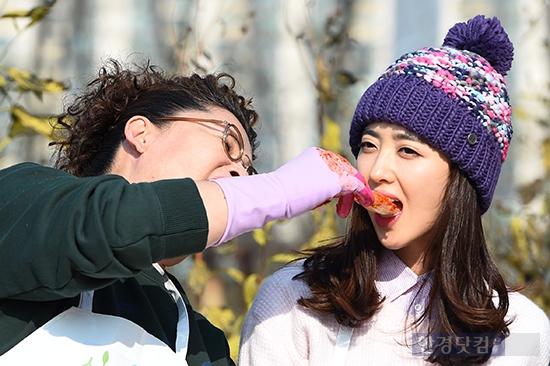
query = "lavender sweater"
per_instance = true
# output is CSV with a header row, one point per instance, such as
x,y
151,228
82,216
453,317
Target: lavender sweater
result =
x,y
277,331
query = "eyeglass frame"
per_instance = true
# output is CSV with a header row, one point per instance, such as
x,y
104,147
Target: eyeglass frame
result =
x,y
249,168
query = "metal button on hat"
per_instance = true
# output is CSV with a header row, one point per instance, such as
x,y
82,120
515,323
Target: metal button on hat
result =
x,y
472,139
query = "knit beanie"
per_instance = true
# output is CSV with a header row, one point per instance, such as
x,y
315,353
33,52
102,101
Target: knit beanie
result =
x,y
454,97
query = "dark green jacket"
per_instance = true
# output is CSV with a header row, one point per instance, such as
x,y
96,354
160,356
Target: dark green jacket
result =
x,y
61,235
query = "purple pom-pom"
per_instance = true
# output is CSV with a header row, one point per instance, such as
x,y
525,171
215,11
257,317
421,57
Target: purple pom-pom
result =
x,y
487,38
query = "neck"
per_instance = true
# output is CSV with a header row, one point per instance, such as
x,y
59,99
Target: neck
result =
x,y
414,259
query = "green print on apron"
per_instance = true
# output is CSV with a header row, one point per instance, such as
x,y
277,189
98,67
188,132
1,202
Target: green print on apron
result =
x,y
79,337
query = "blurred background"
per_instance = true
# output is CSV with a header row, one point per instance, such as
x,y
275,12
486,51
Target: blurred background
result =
x,y
305,63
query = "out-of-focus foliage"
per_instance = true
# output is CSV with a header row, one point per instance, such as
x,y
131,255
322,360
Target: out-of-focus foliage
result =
x,y
14,82
325,50
519,234
193,42
33,15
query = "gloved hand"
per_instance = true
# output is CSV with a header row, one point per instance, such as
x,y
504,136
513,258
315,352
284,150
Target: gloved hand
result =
x,y
313,178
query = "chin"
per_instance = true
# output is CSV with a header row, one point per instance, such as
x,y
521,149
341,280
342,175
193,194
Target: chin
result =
x,y
393,246
390,243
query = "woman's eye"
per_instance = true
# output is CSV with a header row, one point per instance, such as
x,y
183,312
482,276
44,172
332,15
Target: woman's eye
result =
x,y
232,145
408,151
228,145
366,145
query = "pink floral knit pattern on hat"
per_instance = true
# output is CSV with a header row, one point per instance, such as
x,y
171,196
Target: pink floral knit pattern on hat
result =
x,y
465,76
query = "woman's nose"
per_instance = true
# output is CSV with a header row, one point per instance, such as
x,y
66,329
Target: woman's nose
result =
x,y
382,169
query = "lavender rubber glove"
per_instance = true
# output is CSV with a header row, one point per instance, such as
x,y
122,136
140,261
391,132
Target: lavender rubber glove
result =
x,y
311,179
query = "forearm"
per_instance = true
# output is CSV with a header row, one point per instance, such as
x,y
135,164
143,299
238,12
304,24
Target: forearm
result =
x,y
216,210
63,235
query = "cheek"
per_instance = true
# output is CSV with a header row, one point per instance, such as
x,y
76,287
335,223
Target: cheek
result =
x,y
180,161
429,188
363,165
199,166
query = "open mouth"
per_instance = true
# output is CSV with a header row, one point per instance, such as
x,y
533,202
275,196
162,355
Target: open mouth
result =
x,y
385,206
397,204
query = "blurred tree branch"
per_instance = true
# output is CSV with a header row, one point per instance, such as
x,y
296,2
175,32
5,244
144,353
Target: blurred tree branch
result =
x,y
15,82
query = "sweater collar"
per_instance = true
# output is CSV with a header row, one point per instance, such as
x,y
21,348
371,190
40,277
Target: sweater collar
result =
x,y
396,279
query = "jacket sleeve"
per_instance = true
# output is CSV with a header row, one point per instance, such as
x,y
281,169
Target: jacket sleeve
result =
x,y
61,235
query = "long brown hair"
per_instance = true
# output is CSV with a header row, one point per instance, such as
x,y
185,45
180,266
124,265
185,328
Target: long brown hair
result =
x,y
341,274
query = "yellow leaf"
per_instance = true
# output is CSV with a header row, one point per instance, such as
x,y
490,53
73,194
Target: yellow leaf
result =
x,y
345,78
234,337
220,317
521,250
331,138
24,79
521,113
198,276
546,154
250,287
2,81
283,257
260,237
234,343
17,129
4,143
30,82
39,12
16,14
52,86
325,217
324,86
36,14
26,123
269,225
236,274
237,325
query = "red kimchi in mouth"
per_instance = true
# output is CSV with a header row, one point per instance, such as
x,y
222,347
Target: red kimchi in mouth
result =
x,y
383,205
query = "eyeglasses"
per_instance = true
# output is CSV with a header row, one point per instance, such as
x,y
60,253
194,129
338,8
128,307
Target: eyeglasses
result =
x,y
232,140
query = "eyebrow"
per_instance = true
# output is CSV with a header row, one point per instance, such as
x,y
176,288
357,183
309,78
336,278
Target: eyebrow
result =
x,y
401,135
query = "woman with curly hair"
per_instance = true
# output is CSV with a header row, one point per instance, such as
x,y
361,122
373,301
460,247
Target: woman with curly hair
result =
x,y
149,168
414,284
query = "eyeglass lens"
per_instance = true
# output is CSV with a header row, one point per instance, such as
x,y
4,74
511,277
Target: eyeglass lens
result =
x,y
233,142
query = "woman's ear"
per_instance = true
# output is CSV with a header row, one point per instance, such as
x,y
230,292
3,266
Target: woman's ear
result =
x,y
136,132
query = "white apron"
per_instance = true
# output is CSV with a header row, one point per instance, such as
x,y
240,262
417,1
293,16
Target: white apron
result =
x,y
79,337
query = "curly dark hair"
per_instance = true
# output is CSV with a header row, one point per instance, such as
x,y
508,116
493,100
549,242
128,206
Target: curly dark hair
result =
x,y
91,128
